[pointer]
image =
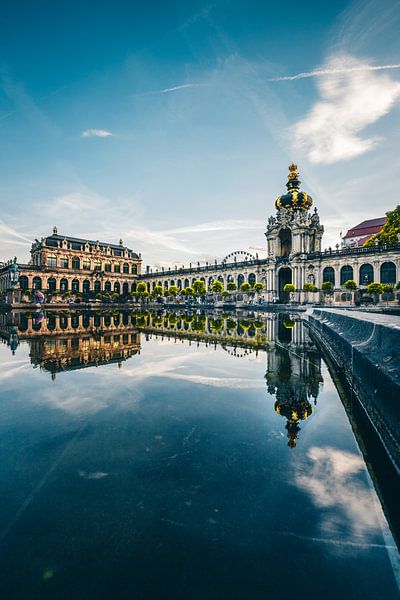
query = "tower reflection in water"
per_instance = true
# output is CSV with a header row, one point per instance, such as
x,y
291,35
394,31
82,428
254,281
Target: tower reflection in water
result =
x,y
68,340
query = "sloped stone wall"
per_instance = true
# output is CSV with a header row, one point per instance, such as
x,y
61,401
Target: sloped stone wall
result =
x,y
367,351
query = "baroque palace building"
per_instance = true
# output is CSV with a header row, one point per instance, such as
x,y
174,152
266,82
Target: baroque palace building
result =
x,y
64,263
294,255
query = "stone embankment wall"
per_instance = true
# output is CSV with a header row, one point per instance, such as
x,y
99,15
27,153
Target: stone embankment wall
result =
x,y
366,348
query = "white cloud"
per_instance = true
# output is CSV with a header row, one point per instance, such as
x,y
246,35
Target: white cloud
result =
x,y
101,133
352,96
335,71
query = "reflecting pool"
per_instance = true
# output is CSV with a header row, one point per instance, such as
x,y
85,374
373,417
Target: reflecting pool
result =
x,y
182,455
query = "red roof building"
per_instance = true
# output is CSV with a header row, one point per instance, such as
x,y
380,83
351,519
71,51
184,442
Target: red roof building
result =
x,y
361,233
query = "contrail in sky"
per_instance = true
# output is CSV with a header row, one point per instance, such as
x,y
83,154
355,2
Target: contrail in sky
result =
x,y
319,72
181,87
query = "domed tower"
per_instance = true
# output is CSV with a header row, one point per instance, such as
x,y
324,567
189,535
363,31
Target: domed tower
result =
x,y
295,199
292,235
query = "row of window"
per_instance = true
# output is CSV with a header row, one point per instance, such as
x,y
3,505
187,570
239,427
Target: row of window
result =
x,y
89,265
184,283
75,286
388,274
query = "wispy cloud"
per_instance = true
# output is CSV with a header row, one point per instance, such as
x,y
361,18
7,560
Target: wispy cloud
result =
x,y
101,133
181,87
352,97
335,71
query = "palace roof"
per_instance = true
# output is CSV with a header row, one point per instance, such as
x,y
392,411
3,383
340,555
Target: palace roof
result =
x,y
366,228
54,239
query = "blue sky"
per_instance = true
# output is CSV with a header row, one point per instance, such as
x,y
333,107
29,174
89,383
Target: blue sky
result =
x,y
171,124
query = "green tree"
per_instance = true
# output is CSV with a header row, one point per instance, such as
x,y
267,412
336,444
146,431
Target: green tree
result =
x,y
258,287
199,287
308,287
350,285
217,287
231,286
289,288
327,287
189,291
158,290
141,287
375,289
173,290
245,287
390,232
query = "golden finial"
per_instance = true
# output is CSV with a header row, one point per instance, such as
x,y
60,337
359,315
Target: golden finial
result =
x,y
55,231
293,173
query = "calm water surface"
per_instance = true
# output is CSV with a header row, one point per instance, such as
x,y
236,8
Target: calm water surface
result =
x,y
165,456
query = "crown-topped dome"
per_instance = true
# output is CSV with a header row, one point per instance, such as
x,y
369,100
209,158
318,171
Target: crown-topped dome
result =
x,y
294,199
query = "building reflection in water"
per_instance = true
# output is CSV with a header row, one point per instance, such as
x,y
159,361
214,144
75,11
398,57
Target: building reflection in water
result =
x,y
62,340
293,374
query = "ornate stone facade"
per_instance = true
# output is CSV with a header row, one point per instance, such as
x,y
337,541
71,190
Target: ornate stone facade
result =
x,y
64,263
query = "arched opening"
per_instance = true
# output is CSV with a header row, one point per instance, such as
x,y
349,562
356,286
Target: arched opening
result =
x,y
86,286
51,284
37,283
240,280
285,237
76,263
388,272
117,288
133,287
186,283
134,269
63,285
75,286
328,275
252,279
125,268
366,275
125,288
107,286
97,287
346,273
284,277
23,282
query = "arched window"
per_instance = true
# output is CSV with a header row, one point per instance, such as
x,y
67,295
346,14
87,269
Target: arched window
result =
x,y
125,288
23,282
63,285
76,263
172,282
179,284
153,285
107,286
134,269
366,274
220,278
165,285
125,268
51,284
75,321
346,273
97,287
86,286
86,264
52,260
64,262
117,268
133,287
37,283
107,267
252,279
117,287
388,272
186,283
328,274
240,280
75,286
97,264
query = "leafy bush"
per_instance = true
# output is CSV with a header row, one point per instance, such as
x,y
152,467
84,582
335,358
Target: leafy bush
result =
x,y
375,288
327,286
350,285
289,287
